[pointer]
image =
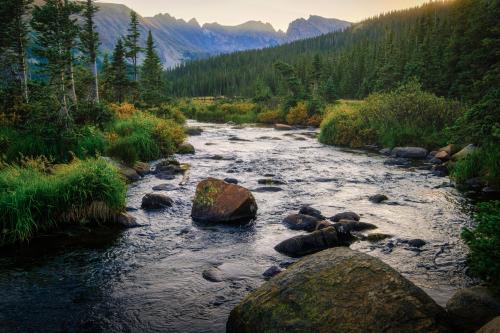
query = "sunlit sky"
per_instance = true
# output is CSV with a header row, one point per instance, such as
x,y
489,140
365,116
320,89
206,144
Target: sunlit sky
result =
x,y
277,12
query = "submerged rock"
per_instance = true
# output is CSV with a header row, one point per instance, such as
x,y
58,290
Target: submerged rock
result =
x,y
378,198
410,152
271,181
469,309
153,201
397,162
345,216
231,181
338,290
311,243
268,189
271,271
186,149
347,226
301,222
308,210
142,168
164,187
283,127
218,201
126,221
213,275
386,151
491,327
193,131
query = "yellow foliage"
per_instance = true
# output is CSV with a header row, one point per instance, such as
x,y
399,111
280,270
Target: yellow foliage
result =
x,y
298,115
269,117
123,110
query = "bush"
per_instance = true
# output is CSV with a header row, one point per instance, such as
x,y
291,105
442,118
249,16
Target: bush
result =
x,y
484,244
298,114
220,111
406,116
167,111
37,197
94,114
123,110
343,126
269,117
144,137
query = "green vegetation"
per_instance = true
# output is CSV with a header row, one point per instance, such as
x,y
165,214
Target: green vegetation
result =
x,y
484,243
37,197
405,116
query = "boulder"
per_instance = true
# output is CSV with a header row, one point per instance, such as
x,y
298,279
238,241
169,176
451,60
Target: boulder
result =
x,y
308,210
231,181
469,309
450,149
153,201
126,221
311,243
218,201
142,168
338,290
193,131
186,149
283,127
323,225
491,327
463,153
386,151
271,271
271,181
164,187
378,198
301,222
345,216
397,162
129,174
410,152
442,155
213,275
348,226
170,167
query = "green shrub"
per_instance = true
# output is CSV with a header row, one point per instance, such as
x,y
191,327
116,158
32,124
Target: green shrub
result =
x,y
36,197
167,111
406,116
144,137
484,244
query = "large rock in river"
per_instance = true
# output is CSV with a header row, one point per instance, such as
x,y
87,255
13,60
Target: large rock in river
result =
x,y
219,201
410,152
338,290
306,244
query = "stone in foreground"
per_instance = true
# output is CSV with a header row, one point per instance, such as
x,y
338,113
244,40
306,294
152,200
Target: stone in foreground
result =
x,y
338,290
302,245
219,201
491,327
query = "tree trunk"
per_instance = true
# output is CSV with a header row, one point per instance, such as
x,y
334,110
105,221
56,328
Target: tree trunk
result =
x,y
73,89
24,68
96,82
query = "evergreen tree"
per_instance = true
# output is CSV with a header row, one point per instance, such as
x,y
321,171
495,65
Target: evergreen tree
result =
x,y
330,91
106,82
119,72
90,42
56,29
132,43
152,81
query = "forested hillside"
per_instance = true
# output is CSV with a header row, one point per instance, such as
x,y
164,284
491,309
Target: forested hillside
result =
x,y
448,45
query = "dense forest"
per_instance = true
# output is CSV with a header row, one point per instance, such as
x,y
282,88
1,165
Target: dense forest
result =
x,y
450,46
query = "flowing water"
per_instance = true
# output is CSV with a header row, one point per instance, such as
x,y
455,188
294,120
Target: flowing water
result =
x,y
149,279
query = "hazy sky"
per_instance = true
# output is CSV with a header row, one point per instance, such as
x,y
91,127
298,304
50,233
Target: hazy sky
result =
x,y
278,12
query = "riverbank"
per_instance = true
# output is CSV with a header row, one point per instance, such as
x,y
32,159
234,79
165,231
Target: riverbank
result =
x,y
150,278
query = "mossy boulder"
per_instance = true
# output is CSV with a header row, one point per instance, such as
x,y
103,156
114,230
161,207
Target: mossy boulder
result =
x,y
186,149
218,201
338,290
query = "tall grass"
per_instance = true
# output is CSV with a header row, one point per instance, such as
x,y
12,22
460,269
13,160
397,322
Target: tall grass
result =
x,y
145,137
483,163
35,197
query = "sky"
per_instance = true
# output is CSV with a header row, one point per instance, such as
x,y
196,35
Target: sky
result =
x,y
277,12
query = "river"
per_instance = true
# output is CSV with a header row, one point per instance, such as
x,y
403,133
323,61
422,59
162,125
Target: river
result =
x,y
149,279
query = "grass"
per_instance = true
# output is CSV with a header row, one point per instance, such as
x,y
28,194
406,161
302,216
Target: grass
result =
x,y
144,137
37,197
483,163
484,244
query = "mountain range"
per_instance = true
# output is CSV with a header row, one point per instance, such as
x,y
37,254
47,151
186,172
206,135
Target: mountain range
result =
x,y
178,40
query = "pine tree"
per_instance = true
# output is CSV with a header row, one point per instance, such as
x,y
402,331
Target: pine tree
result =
x,y
119,72
330,91
106,82
57,31
132,43
89,38
152,80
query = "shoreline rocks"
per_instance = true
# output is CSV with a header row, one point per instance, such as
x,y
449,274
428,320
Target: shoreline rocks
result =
x,y
338,290
410,152
218,201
